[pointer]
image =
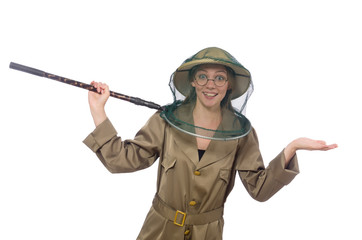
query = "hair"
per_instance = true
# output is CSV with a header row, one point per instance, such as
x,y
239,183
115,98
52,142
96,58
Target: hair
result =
x,y
226,102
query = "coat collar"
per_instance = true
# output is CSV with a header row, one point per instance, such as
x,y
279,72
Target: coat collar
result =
x,y
216,150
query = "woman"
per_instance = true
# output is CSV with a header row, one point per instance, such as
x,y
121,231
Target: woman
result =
x,y
196,170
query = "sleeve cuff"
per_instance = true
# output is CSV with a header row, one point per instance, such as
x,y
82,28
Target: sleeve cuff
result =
x,y
101,135
284,174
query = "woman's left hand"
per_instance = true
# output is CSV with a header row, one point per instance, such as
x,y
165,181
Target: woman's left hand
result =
x,y
306,144
310,144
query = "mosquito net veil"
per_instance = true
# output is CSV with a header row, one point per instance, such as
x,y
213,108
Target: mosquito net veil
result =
x,y
179,114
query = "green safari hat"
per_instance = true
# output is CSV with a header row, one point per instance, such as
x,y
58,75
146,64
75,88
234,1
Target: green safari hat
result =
x,y
212,55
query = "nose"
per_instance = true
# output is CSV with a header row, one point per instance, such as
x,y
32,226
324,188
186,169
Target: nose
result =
x,y
210,83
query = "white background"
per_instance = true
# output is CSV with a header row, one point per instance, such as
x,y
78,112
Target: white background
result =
x,y
305,59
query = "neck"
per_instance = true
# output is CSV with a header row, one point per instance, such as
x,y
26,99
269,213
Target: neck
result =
x,y
205,117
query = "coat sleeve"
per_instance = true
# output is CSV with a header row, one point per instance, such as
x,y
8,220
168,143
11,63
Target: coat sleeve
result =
x,y
260,182
120,156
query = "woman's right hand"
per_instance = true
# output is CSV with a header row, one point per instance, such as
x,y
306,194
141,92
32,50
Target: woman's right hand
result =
x,y
97,102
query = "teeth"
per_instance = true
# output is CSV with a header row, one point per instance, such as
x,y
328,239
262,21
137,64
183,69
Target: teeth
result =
x,y
210,94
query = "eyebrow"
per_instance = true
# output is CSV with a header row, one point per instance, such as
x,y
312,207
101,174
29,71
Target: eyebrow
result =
x,y
223,71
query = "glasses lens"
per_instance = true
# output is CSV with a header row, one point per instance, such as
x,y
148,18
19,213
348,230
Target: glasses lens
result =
x,y
202,80
220,81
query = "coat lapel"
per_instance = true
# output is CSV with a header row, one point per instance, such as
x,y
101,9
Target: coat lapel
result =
x,y
187,144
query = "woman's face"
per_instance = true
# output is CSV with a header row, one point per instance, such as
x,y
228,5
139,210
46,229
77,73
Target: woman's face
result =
x,y
210,95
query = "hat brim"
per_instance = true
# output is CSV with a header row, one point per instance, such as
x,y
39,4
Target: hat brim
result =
x,y
240,85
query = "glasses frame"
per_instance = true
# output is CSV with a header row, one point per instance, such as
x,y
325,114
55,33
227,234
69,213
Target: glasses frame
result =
x,y
207,80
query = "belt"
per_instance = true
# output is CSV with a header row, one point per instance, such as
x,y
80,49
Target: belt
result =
x,y
180,218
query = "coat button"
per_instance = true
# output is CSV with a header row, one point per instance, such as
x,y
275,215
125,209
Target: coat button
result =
x,y
187,232
192,203
197,173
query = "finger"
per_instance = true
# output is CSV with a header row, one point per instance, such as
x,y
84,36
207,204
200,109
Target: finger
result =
x,y
321,142
96,85
99,87
104,85
332,146
329,147
105,88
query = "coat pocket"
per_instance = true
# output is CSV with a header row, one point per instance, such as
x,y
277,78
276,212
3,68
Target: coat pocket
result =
x,y
168,164
220,187
224,175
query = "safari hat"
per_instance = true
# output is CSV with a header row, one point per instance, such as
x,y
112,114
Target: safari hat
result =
x,y
212,55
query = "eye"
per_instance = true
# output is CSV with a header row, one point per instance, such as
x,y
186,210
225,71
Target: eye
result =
x,y
220,78
202,76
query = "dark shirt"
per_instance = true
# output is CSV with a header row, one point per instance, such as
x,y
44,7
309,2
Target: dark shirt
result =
x,y
201,153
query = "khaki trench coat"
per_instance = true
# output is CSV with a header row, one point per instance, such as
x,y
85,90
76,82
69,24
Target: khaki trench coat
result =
x,y
187,187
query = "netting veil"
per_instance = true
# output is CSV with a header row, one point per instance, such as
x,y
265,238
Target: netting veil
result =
x,y
179,114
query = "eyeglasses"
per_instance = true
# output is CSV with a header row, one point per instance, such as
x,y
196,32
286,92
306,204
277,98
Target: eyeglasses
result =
x,y
202,80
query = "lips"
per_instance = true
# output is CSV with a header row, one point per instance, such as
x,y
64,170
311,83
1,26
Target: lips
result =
x,y
207,94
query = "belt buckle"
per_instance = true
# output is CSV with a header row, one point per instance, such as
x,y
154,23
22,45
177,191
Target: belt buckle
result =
x,y
183,218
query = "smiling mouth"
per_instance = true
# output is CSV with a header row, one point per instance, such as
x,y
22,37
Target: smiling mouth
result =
x,y
210,94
